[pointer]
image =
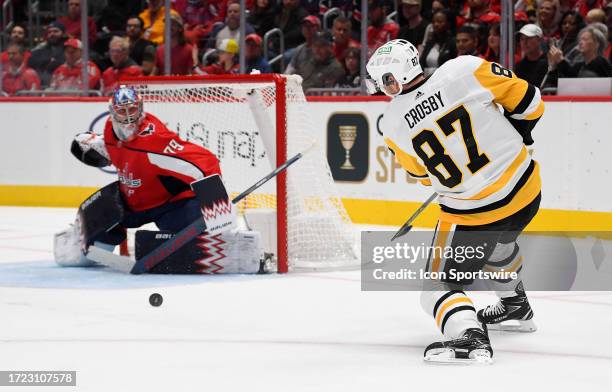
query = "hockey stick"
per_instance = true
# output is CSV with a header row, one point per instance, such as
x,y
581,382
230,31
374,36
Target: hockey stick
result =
x,y
197,227
274,173
408,225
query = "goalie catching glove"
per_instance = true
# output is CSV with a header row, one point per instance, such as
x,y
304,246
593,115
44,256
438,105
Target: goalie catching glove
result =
x,y
88,147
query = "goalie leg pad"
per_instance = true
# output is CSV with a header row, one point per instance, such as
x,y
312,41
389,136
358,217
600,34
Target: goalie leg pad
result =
x,y
67,248
99,214
217,209
231,252
96,220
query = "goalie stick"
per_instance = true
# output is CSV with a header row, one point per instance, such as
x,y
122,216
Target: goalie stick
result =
x,y
406,227
150,260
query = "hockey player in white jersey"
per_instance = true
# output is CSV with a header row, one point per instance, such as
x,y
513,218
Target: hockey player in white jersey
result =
x,y
450,132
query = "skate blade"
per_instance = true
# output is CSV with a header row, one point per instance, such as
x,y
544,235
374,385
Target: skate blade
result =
x,y
521,326
448,357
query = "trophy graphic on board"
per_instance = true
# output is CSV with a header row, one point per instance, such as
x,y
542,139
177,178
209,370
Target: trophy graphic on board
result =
x,y
348,134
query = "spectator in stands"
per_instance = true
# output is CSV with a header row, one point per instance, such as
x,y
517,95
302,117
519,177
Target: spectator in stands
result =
x,y
199,17
441,44
289,19
253,55
492,53
477,12
467,41
341,30
583,6
262,16
69,76
564,5
17,36
352,77
436,5
154,21
228,60
322,70
49,54
412,23
141,50
231,28
347,7
548,17
601,27
534,65
72,22
310,26
123,65
111,21
180,50
380,30
17,76
571,24
313,7
113,17
596,15
591,43
529,7
606,33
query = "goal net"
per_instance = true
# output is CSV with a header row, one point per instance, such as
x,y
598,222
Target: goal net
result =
x,y
253,123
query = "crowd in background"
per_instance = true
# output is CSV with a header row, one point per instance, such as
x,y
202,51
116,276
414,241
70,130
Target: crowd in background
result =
x,y
556,38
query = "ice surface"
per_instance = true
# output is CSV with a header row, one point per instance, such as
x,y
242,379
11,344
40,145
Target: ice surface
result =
x,y
297,332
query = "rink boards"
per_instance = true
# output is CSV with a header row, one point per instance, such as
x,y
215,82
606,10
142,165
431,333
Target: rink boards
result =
x,y
572,147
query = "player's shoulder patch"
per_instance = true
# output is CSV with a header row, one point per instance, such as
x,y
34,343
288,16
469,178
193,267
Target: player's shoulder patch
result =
x,y
148,130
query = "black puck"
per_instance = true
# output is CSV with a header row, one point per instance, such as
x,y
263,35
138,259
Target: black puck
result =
x,y
156,299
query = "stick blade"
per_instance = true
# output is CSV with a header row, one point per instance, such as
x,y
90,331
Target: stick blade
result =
x,y
401,232
109,259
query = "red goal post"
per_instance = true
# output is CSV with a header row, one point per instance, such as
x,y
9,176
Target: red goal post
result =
x,y
269,111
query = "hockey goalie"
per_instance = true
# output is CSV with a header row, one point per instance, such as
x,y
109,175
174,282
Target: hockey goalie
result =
x,y
162,180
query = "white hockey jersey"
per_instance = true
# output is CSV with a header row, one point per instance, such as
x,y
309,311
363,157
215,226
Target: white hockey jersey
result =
x,y
449,132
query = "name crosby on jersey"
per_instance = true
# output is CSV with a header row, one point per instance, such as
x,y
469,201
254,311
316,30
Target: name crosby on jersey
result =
x,y
424,108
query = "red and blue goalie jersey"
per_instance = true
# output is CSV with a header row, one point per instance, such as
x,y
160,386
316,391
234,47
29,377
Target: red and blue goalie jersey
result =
x,y
156,167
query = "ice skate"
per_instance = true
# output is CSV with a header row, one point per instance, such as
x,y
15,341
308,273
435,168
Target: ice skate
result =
x,y
471,348
512,314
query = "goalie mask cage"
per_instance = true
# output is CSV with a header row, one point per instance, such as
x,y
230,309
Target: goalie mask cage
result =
x,y
253,123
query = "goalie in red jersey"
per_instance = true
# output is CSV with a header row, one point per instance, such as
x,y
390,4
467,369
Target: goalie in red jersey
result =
x,y
155,168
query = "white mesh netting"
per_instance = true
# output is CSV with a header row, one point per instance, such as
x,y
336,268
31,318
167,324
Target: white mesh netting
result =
x,y
236,121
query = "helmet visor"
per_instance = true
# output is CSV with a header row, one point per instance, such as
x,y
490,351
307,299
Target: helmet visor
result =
x,y
390,85
126,113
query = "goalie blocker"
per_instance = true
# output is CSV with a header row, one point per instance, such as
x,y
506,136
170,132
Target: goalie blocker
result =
x,y
223,249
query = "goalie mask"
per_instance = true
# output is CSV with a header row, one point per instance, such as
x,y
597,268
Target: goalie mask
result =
x,y
393,65
126,112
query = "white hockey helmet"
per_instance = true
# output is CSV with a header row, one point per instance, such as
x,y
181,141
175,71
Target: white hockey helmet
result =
x,y
392,65
126,111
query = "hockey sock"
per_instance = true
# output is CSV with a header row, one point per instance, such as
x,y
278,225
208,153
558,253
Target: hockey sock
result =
x,y
505,258
452,310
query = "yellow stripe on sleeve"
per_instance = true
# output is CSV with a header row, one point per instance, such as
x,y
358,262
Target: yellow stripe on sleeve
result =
x,y
407,161
537,113
507,91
